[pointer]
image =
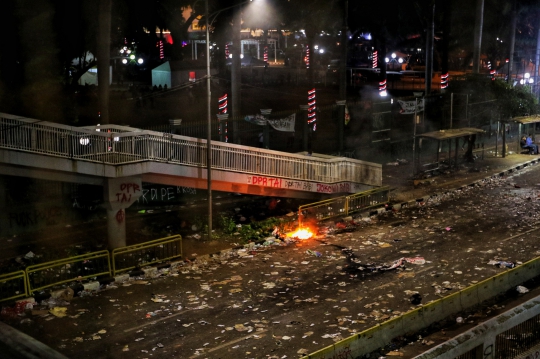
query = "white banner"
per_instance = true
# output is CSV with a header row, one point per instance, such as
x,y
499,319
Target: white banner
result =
x,y
408,107
257,120
284,124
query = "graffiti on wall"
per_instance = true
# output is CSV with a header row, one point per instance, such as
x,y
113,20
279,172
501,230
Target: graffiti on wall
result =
x,y
127,190
164,194
345,187
33,217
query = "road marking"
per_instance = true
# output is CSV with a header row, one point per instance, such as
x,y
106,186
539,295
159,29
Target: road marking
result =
x,y
424,269
157,321
180,313
521,234
228,343
392,283
384,285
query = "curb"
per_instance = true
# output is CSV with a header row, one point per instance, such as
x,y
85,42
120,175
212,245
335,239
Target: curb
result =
x,y
422,201
153,272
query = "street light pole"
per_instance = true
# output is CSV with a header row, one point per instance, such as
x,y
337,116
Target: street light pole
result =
x,y
236,76
209,125
208,112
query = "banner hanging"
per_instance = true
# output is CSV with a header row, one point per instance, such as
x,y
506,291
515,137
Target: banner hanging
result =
x,y
284,124
408,107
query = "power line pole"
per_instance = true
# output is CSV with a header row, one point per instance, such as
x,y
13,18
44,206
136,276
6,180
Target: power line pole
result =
x,y
512,43
236,76
343,77
429,51
478,25
209,123
103,58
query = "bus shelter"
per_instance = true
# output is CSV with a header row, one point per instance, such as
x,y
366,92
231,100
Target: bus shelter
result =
x,y
441,137
527,125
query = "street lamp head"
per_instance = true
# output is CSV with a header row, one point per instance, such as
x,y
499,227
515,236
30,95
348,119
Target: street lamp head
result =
x,y
386,59
393,55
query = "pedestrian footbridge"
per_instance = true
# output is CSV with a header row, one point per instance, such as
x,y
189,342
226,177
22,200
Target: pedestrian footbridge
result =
x,y
91,155
120,158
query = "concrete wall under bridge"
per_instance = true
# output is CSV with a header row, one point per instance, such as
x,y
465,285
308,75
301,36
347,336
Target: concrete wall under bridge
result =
x,y
415,320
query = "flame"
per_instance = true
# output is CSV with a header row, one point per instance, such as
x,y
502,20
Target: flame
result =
x,y
301,233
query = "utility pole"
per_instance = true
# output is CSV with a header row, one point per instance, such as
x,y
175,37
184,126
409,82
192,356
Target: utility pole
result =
x,y
103,58
512,43
478,25
429,52
536,61
236,77
343,77
208,123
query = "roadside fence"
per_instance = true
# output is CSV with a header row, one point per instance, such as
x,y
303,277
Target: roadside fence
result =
x,y
50,274
344,205
38,277
13,285
127,258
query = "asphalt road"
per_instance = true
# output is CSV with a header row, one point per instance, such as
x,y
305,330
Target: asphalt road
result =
x,y
283,301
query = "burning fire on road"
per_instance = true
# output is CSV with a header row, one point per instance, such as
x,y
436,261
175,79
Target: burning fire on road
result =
x,y
301,233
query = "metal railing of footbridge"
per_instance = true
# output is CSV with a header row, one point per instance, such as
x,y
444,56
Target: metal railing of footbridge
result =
x,y
117,145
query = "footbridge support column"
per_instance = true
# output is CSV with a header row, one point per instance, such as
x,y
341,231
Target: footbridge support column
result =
x,y
119,194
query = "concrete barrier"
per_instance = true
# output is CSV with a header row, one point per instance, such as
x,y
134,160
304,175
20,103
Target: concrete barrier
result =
x,y
413,321
451,303
379,336
431,313
468,297
394,327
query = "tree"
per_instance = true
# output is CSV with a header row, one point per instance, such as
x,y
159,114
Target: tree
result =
x,y
76,26
40,94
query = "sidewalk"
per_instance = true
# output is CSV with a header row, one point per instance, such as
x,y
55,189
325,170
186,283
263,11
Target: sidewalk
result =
x,y
408,191
406,188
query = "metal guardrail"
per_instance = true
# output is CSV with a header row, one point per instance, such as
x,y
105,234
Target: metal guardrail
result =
x,y
135,256
115,145
13,286
49,274
519,339
344,205
40,276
